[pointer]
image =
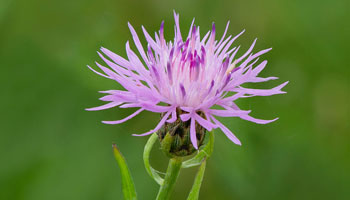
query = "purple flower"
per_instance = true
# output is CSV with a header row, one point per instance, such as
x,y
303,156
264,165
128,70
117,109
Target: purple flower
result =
x,y
189,75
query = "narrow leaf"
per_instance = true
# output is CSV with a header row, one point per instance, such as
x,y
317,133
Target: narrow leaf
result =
x,y
127,182
148,147
197,182
203,153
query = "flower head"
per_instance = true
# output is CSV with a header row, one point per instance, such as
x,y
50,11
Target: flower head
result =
x,y
184,79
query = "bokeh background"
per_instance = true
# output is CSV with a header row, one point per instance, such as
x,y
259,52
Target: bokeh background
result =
x,y
51,148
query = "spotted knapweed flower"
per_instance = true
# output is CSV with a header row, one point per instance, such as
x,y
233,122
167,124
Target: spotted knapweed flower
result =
x,y
184,78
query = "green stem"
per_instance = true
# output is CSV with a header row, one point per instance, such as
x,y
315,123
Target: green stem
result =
x,y
194,194
170,178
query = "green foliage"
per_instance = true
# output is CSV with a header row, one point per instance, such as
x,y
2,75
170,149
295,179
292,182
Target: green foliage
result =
x,y
127,182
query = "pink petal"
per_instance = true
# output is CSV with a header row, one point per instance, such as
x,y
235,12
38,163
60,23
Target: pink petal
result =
x,y
260,79
160,124
228,113
258,121
203,122
193,133
246,53
115,67
262,92
227,132
92,69
155,108
125,119
173,117
186,117
177,24
223,36
106,106
116,58
138,43
150,41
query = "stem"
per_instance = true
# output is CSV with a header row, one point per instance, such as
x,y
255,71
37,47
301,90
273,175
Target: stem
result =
x,y
194,194
170,178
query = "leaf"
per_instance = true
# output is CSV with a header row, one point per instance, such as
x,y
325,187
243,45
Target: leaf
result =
x,y
148,147
127,182
203,153
197,182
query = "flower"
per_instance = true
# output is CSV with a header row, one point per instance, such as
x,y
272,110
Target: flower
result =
x,y
185,79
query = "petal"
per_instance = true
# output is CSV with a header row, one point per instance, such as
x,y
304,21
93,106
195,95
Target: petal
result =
x,y
262,92
130,105
258,121
106,106
160,124
120,70
223,36
150,41
173,117
125,119
203,122
193,133
228,113
260,79
246,53
155,108
251,57
138,43
233,97
92,69
227,132
186,117
178,32
116,58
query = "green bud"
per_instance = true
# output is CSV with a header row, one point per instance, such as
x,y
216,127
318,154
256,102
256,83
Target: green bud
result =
x,y
175,137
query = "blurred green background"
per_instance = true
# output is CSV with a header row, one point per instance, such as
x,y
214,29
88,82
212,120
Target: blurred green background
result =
x,y
51,148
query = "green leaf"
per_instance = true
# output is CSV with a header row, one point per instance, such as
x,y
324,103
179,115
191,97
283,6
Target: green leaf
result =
x,y
202,154
127,182
197,182
148,147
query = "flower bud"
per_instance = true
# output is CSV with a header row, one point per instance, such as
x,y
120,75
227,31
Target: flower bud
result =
x,y
175,137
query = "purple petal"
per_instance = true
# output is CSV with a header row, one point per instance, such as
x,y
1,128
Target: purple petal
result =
x,y
203,122
92,69
186,117
150,41
106,106
160,124
223,36
228,113
138,43
262,92
258,121
227,132
125,119
173,117
155,108
116,58
246,53
177,24
193,133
